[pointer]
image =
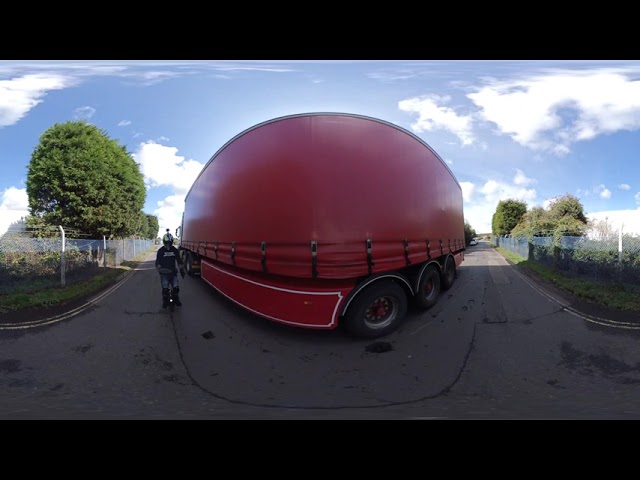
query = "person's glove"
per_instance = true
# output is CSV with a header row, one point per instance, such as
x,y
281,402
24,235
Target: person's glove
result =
x,y
182,272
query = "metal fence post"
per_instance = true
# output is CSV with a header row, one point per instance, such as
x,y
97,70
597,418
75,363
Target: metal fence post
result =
x,y
62,265
620,246
104,255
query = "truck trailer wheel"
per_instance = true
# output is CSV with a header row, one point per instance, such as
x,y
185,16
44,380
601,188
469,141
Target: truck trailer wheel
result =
x,y
377,310
449,275
428,288
188,260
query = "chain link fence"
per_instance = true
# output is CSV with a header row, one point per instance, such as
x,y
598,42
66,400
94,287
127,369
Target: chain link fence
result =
x,y
30,264
612,261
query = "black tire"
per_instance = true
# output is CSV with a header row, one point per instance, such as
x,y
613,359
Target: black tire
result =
x,y
388,298
188,262
428,288
449,275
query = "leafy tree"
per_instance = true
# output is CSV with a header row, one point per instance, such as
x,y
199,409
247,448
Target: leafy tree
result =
x,y
567,206
37,228
469,232
80,178
152,231
565,217
507,215
535,222
143,225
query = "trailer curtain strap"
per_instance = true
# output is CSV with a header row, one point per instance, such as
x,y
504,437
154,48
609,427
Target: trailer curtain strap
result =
x,y
263,261
406,252
370,262
314,260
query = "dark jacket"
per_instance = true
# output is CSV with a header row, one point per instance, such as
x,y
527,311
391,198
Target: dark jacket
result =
x,y
168,258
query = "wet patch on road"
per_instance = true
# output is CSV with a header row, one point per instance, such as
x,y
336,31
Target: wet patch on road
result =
x,y
21,382
82,348
586,364
208,335
153,358
554,383
379,347
10,366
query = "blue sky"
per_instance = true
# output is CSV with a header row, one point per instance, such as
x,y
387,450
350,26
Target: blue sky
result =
x,y
531,130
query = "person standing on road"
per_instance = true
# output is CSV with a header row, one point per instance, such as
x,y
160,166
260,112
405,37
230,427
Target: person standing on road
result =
x,y
166,258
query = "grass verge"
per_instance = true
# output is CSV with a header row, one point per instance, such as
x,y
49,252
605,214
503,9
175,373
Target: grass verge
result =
x,y
48,296
611,296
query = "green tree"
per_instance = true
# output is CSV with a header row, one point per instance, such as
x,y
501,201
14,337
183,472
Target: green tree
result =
x,y
469,232
152,231
535,222
567,207
507,215
80,178
143,225
564,217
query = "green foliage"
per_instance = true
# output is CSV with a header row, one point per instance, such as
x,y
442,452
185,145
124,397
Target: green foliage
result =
x,y
565,217
469,232
565,207
507,215
533,222
80,178
152,231
606,252
142,227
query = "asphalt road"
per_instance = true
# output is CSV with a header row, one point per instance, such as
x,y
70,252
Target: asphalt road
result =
x,y
496,346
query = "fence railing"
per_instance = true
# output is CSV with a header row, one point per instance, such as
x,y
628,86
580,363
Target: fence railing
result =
x,y
615,261
28,264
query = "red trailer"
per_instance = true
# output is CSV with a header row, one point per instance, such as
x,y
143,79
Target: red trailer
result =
x,y
318,219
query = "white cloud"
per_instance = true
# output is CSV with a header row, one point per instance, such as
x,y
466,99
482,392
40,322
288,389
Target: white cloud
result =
x,y
522,179
169,213
161,166
603,191
480,202
582,193
163,139
547,203
468,189
637,198
124,123
84,113
552,111
624,186
19,95
432,116
479,216
14,206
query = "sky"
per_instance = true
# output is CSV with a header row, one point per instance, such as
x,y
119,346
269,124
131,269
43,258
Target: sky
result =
x,y
531,130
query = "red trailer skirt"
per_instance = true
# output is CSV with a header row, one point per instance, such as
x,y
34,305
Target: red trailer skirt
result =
x,y
310,304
